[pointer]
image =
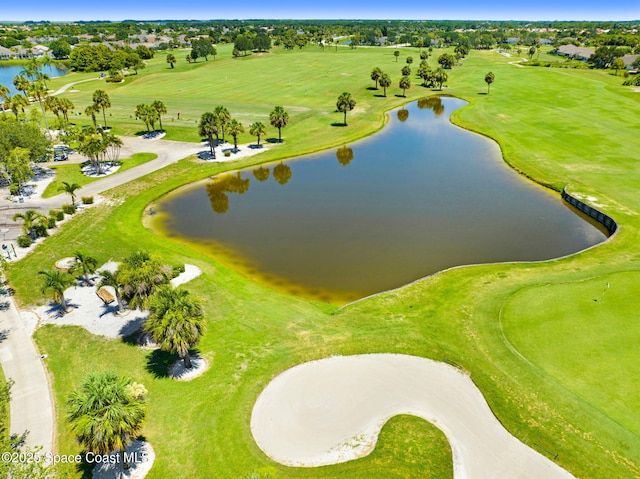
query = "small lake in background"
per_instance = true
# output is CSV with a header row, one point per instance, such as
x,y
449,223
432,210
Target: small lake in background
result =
x,y
9,72
420,196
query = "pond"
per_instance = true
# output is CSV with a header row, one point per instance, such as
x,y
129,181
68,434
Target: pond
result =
x,y
420,196
9,72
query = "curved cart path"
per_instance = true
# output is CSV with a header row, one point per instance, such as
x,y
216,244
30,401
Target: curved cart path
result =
x,y
64,88
330,411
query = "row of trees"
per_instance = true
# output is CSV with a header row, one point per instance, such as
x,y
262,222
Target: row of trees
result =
x,y
219,122
151,113
98,58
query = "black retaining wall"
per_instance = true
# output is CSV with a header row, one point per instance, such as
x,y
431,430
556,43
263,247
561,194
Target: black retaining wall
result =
x,y
605,220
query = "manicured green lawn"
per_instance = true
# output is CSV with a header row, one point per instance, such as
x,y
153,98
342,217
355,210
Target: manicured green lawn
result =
x,y
72,173
557,385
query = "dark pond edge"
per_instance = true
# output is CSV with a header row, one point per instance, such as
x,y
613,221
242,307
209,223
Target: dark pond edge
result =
x,y
605,220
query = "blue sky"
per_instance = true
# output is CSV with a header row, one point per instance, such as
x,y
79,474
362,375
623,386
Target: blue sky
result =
x,y
69,10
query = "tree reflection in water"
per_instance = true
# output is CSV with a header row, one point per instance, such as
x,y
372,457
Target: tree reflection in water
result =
x,y
403,115
344,155
261,174
433,102
218,188
282,173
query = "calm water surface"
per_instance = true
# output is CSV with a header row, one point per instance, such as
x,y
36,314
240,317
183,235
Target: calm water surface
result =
x,y
420,196
9,72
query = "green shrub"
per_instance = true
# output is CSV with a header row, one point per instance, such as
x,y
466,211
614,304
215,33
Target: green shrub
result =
x,y
58,215
51,223
177,270
87,200
227,153
14,188
41,230
24,241
68,209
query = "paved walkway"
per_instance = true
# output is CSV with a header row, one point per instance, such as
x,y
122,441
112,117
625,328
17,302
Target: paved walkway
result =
x,y
168,152
31,402
331,411
69,85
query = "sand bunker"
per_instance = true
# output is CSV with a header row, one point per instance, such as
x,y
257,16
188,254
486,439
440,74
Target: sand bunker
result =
x,y
331,411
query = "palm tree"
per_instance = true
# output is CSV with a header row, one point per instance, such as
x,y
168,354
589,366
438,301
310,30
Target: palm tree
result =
x,y
141,273
171,59
344,104
207,128
65,105
405,83
86,264
70,189
222,117
91,111
16,103
406,70
440,77
92,145
108,278
396,54
161,108
101,101
235,128
4,92
54,283
279,119
385,82
258,129
176,321
21,83
38,91
107,412
376,73
489,78
30,221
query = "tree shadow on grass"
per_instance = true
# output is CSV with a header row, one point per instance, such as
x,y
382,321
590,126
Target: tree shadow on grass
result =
x,y
379,95
158,362
85,468
372,88
336,123
482,93
274,140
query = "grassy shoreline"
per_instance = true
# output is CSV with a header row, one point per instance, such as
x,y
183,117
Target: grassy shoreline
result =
x,y
455,316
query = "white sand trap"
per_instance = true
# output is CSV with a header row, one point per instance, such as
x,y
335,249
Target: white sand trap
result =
x,y
190,272
141,457
331,411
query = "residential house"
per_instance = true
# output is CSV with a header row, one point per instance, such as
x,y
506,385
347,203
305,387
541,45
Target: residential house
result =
x,y
577,53
629,61
5,53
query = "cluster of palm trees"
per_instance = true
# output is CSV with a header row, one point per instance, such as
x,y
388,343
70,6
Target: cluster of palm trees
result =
x,y
100,102
176,319
430,78
151,113
219,122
